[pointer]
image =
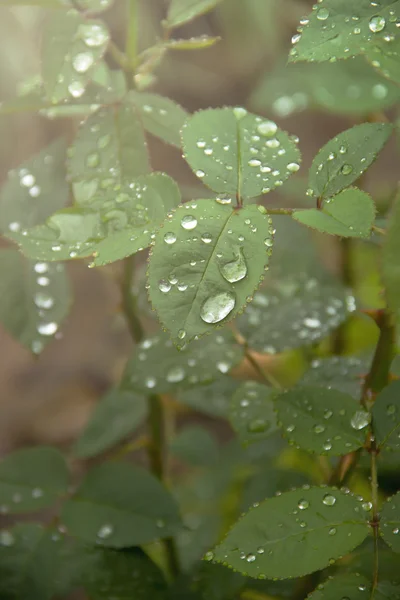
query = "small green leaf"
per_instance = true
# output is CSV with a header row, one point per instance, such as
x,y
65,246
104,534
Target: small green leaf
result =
x,y
32,479
344,158
351,586
207,260
322,420
252,412
213,399
386,58
390,259
157,366
386,417
338,29
390,522
237,153
116,416
294,534
193,43
195,445
351,213
119,505
183,11
34,299
28,553
161,116
34,190
71,48
343,373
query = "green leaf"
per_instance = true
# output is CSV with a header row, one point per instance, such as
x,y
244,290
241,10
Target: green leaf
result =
x,y
390,522
161,116
270,482
183,11
386,417
322,420
34,299
352,586
158,367
28,554
390,259
116,416
34,190
344,158
294,534
206,262
109,149
213,399
195,445
252,412
337,29
351,213
193,43
387,590
119,505
386,58
71,48
343,373
123,575
32,479
92,6
237,153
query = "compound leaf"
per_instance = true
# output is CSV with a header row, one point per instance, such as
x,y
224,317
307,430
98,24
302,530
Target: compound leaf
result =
x,y
390,259
183,11
207,260
119,505
252,412
344,158
351,213
34,299
32,479
117,415
390,522
320,420
386,417
237,153
294,534
351,586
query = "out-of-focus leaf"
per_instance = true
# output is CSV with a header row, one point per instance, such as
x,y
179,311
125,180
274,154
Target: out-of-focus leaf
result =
x,y
34,299
195,445
351,586
343,373
390,259
213,399
390,522
252,412
267,482
386,58
183,11
193,43
386,417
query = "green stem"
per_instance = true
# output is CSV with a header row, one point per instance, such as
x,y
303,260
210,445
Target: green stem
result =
x,y
132,34
129,300
375,515
282,211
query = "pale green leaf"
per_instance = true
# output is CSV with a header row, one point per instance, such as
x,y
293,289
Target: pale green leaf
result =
x,y
352,586
34,190
193,43
385,57
28,554
344,158
34,299
390,522
182,11
116,416
322,420
237,153
156,366
32,479
351,213
213,399
71,48
196,446
390,259
386,417
340,29
92,6
161,116
294,534
343,373
119,505
207,261
252,412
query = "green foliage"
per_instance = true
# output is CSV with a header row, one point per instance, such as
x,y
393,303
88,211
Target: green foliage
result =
x,y
252,412
182,11
390,521
161,116
343,373
385,415
196,446
390,262
386,58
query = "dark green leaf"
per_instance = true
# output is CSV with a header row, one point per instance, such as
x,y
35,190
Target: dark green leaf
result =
x,y
119,505
387,590
351,213
343,373
161,116
157,366
196,446
390,522
268,482
252,412
390,259
116,416
386,58
386,417
322,420
352,587
344,158
213,400
207,261
34,299
237,153
339,29
182,11
294,534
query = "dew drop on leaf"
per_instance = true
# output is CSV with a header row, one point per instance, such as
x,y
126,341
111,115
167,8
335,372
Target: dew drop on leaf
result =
x,y
329,500
377,24
235,270
216,308
105,531
176,375
189,222
360,420
47,328
303,504
267,128
170,238
82,62
322,14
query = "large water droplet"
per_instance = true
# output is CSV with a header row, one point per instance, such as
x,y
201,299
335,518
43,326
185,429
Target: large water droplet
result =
x,y
47,328
239,112
82,62
360,420
176,374
93,35
267,128
235,270
346,169
224,199
329,500
377,23
43,300
322,14
303,504
217,307
189,222
164,286
105,531
170,238
76,89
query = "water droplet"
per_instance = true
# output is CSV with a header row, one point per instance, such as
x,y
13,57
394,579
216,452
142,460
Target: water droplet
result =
x,y
235,270
105,531
76,89
43,281
267,128
37,493
170,238
391,410
251,558
380,91
303,504
318,428
82,62
223,199
312,323
367,506
346,169
209,556
200,173
150,382
257,426
164,286
293,167
332,531
329,500
93,35
343,149
206,238
181,334
201,144
43,300
176,374
217,307
327,445
360,420
239,112
189,222
377,23
322,14
254,162
47,328
28,180
6,538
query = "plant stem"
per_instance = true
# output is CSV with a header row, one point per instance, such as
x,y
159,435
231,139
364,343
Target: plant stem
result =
x,y
129,300
375,515
282,211
131,48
